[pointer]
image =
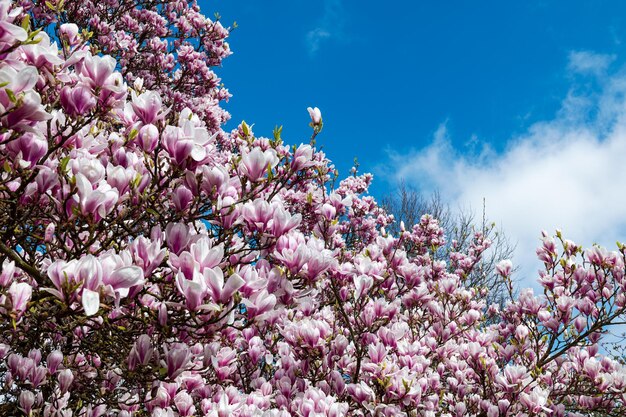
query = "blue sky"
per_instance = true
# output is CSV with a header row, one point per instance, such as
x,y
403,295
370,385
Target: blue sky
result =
x,y
517,102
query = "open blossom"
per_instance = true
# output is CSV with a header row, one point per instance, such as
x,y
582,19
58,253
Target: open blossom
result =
x,y
28,149
91,301
187,143
194,289
77,101
148,107
124,278
254,164
10,32
99,201
222,290
97,71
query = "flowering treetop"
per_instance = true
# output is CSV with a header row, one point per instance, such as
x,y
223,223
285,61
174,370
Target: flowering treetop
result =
x,y
153,264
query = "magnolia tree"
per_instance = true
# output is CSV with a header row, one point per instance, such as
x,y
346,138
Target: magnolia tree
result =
x,y
154,265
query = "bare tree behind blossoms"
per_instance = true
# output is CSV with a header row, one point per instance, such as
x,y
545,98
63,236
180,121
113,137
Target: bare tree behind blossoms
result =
x,y
408,205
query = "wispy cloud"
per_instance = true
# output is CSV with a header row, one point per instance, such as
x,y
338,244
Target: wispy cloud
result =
x,y
567,173
330,26
585,62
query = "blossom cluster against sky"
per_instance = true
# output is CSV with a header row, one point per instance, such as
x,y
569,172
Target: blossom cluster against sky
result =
x,y
520,103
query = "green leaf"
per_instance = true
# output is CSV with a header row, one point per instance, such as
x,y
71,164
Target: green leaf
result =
x,y
277,131
152,211
11,95
26,22
245,128
270,174
63,163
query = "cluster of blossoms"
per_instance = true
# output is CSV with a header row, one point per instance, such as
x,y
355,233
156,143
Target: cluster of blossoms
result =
x,y
153,265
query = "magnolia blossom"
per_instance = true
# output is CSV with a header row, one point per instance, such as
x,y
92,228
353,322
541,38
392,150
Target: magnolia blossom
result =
x,y
316,115
91,301
21,294
77,101
256,163
69,33
92,201
148,107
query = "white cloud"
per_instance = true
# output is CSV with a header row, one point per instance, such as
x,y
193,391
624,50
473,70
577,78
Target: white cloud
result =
x,y
585,62
567,173
329,27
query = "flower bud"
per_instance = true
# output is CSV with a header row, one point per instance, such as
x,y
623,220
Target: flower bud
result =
x,y
148,137
316,116
65,378
54,359
69,32
27,400
20,296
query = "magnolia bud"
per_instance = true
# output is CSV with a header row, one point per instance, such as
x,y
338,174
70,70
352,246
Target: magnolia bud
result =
x,y
69,32
65,378
148,137
27,399
316,115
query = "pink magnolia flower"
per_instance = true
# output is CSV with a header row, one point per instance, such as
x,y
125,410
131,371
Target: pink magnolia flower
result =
x,y
177,360
536,400
302,157
17,80
7,273
316,115
124,278
65,378
69,33
254,164
222,291
504,267
27,400
43,53
77,101
27,112
8,31
177,237
282,221
184,404
148,107
142,352
182,197
187,143
20,293
97,202
259,304
91,301
148,137
97,71
54,359
194,290
28,149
